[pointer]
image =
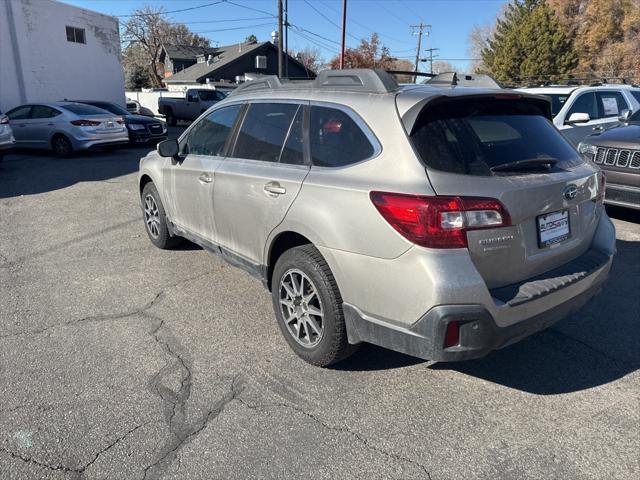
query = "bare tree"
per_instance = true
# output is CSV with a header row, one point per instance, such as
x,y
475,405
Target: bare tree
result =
x,y
144,34
442,66
310,57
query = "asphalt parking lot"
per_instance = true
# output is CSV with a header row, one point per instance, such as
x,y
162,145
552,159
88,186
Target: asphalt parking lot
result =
x,y
121,361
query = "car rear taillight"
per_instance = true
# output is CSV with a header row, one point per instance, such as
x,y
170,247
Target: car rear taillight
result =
x,y
602,185
85,123
439,222
452,334
4,120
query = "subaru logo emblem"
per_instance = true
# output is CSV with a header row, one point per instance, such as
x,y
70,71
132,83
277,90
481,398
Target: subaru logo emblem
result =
x,y
570,192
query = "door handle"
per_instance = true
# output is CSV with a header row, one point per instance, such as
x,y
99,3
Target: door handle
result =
x,y
275,188
205,178
597,128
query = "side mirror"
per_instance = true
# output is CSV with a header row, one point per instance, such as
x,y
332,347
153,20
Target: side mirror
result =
x,y
578,118
168,148
624,115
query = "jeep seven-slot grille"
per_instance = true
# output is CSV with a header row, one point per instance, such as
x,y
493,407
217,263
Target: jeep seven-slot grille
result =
x,y
619,158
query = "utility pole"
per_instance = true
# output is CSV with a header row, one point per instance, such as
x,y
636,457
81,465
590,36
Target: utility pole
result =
x,y
344,30
420,30
286,38
431,57
280,39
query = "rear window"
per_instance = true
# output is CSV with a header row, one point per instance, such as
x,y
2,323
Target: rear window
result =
x,y
557,101
83,109
472,136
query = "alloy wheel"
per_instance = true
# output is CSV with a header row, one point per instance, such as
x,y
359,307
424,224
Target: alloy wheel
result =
x,y
301,308
152,216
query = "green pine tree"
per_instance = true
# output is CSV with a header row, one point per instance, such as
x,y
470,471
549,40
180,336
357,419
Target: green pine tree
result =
x,y
529,44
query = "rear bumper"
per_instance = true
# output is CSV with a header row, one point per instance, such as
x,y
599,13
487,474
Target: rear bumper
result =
x,y
479,333
88,141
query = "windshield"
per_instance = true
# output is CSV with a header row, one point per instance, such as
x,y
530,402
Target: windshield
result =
x,y
557,101
472,136
110,107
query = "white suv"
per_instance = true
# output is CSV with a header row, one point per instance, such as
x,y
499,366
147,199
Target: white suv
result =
x,y
582,110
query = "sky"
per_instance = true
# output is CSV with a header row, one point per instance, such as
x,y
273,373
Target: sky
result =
x,y
315,23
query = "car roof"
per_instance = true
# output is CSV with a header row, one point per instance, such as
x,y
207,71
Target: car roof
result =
x,y
568,89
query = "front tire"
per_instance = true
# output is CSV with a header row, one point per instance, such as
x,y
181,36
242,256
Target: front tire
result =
x,y
155,219
308,307
61,146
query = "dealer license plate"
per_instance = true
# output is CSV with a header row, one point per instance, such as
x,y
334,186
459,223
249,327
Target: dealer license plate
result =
x,y
553,228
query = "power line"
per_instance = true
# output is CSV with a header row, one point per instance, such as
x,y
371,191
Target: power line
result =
x,y
404,22
172,11
220,21
314,34
329,20
249,8
236,28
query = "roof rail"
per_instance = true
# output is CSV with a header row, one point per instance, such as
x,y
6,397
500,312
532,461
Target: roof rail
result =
x,y
355,80
464,80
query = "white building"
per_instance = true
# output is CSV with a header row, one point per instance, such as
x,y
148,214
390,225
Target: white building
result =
x,y
50,51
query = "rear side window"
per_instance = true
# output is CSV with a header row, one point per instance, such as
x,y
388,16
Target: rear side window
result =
x,y
42,111
263,132
472,136
83,109
209,135
293,150
336,139
611,103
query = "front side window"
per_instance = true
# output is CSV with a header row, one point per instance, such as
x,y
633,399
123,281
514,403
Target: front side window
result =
x,y
585,103
472,136
209,135
612,103
42,111
336,139
264,130
75,35
19,113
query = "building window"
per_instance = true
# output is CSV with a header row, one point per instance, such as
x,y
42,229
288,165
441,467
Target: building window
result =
x,y
75,35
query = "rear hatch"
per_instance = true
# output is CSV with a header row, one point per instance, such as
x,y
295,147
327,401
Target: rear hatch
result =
x,y
504,147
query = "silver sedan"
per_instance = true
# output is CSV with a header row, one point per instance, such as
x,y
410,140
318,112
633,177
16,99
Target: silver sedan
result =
x,y
65,127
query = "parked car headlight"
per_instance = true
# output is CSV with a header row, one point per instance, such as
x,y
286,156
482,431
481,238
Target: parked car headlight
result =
x,y
587,150
136,126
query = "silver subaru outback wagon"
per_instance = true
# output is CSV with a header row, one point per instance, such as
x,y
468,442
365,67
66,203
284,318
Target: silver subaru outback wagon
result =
x,y
438,220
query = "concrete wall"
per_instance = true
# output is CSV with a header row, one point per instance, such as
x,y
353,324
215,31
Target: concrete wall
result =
x,y
38,63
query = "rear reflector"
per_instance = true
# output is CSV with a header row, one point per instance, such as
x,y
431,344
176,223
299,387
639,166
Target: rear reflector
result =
x,y
85,123
439,222
452,335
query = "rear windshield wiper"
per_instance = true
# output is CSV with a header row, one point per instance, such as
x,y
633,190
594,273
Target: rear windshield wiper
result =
x,y
529,164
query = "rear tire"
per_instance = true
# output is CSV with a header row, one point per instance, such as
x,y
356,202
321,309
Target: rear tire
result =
x,y
155,219
61,146
308,307
172,121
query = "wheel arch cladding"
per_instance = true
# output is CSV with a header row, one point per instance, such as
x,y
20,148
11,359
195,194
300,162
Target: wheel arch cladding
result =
x,y
143,182
283,242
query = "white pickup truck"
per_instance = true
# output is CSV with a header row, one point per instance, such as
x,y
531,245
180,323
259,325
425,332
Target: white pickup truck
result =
x,y
195,101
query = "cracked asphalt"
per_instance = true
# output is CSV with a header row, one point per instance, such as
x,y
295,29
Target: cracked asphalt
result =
x,y
121,361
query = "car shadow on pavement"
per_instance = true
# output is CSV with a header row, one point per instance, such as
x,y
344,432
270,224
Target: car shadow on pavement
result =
x,y
29,172
595,346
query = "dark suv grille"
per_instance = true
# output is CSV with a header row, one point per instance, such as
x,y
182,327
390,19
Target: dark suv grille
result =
x,y
619,158
155,129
